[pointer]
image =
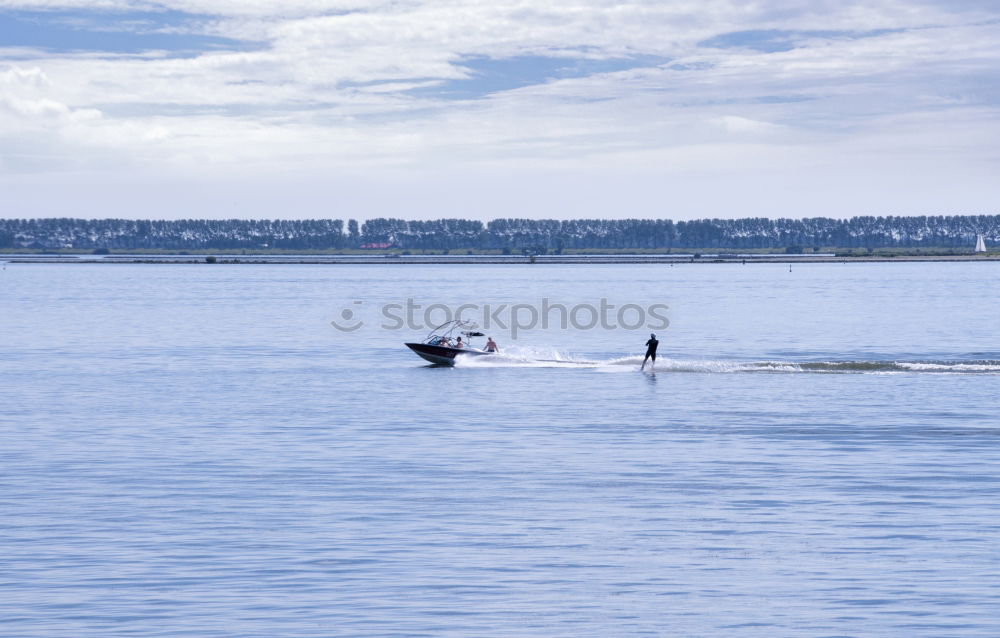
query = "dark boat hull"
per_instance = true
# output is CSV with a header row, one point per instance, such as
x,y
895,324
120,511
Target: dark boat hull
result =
x,y
442,355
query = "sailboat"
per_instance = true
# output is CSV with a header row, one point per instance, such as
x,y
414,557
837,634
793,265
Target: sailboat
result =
x,y
980,243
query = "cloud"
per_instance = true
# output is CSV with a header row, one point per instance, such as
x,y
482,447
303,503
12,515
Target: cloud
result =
x,y
33,77
22,96
613,92
737,124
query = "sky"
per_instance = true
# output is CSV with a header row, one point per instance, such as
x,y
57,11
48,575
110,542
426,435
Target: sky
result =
x,y
167,109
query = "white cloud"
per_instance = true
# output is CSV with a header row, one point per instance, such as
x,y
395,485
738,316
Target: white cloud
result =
x,y
329,93
227,8
737,124
33,77
24,105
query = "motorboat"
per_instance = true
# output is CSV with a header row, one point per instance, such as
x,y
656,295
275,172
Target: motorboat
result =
x,y
438,347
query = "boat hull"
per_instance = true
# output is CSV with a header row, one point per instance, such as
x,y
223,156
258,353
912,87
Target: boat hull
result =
x,y
442,355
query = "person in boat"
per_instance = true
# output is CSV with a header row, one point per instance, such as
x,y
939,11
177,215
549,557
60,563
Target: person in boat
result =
x,y
443,342
491,345
459,344
650,351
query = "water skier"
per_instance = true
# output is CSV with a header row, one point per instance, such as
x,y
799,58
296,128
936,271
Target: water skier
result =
x,y
650,352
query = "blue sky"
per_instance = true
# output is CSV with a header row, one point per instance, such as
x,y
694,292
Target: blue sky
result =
x,y
349,108
108,32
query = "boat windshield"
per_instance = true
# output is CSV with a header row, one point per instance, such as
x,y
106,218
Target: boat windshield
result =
x,y
445,331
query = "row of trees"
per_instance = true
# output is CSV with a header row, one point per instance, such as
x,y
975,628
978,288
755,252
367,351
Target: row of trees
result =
x,y
515,234
180,234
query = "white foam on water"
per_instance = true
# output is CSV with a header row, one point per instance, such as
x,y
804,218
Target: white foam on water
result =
x,y
979,366
528,357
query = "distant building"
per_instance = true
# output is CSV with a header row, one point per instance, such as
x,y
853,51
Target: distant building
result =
x,y
377,245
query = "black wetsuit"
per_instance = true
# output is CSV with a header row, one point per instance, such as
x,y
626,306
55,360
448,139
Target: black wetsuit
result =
x,y
651,350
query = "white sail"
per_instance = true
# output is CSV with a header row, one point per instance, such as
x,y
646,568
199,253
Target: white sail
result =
x,y
980,243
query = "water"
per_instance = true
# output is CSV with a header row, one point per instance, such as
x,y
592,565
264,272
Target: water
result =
x,y
195,450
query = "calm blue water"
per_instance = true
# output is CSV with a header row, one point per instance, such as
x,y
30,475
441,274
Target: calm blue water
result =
x,y
195,450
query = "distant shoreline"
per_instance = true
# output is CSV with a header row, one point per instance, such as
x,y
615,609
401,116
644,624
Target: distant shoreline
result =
x,y
209,260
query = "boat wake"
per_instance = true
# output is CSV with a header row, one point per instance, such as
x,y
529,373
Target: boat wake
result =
x,y
541,358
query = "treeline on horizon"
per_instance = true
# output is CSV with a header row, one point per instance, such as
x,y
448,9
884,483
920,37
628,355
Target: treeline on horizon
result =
x,y
540,235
